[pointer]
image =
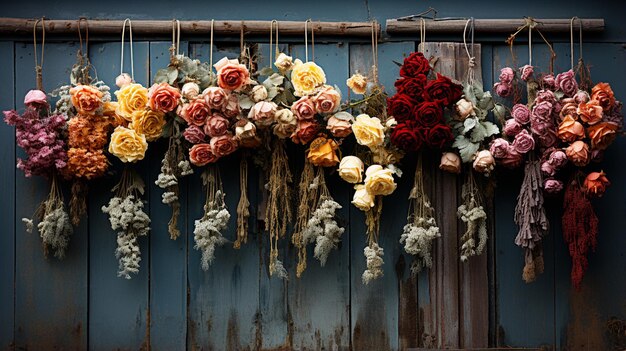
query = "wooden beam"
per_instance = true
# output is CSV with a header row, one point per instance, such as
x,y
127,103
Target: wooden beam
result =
x,y
24,26
395,26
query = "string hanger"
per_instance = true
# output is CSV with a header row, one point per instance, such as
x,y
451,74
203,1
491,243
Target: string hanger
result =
x,y
531,24
39,63
211,46
272,23
306,40
130,40
375,50
80,38
580,41
174,49
470,56
244,49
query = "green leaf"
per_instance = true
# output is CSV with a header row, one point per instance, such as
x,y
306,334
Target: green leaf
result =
x,y
266,71
468,92
466,148
490,128
245,102
479,133
272,92
469,123
172,75
486,102
500,112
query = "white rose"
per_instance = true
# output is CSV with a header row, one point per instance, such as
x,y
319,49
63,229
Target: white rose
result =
x,y
464,108
368,131
190,90
283,62
363,200
285,123
379,180
259,93
351,169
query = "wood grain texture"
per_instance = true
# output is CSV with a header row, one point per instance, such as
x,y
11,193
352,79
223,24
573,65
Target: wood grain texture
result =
x,y
47,289
7,207
116,305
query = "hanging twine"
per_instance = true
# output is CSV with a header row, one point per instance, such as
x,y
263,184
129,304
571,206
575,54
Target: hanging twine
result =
x,y
174,49
531,25
471,58
272,34
277,51
211,46
241,34
375,51
130,40
580,40
39,64
306,41
420,47
80,37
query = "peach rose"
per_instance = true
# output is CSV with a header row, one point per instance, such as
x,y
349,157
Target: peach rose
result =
x,y
602,135
590,112
463,108
570,130
149,123
263,113
327,100
305,132
224,145
569,108
450,162
484,162
86,99
596,183
190,90
202,154
196,112
215,97
163,97
578,153
304,108
231,108
216,125
357,83
323,152
339,128
123,80
231,75
603,94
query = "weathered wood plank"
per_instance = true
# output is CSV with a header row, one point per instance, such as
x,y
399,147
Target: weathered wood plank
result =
x,y
168,268
117,305
223,301
374,307
7,208
319,301
50,295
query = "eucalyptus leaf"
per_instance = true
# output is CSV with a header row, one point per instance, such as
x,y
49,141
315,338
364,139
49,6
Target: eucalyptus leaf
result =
x,y
468,91
469,123
500,112
491,128
466,148
344,116
245,102
266,71
172,75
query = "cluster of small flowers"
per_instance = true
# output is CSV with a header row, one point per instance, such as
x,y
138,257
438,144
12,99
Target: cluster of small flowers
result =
x,y
475,218
322,228
40,137
417,238
374,256
127,216
208,230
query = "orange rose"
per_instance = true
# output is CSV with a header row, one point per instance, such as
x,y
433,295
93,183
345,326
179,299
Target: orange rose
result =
x,y
570,130
596,183
603,93
163,97
602,135
196,112
224,145
322,152
578,153
202,154
590,112
231,75
86,99
569,108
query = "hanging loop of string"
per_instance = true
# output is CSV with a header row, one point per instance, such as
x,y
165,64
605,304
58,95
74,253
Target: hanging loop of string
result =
x,y
306,40
375,50
80,37
580,40
39,63
470,56
130,41
211,46
530,43
241,34
420,47
277,51
174,50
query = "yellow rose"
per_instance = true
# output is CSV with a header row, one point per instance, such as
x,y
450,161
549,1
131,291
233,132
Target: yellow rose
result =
x,y
357,83
128,145
379,180
322,152
305,77
149,123
363,200
368,131
351,169
131,98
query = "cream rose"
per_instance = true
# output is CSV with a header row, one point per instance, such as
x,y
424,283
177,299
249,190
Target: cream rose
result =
x,y
190,90
351,169
379,180
368,131
285,123
283,62
357,83
259,93
263,113
362,199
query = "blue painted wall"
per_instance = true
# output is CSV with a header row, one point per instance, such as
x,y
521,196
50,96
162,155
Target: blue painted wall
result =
x,y
80,304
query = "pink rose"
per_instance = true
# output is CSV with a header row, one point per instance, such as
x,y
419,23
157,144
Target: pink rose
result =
x,y
548,82
327,100
506,75
548,169
231,108
581,96
196,112
512,127
339,128
539,127
215,97
542,111
503,89
512,159
499,148
525,72
558,158
548,139
304,108
545,95
523,142
223,145
194,134
263,113
566,82
163,97
521,114
216,125
553,186
35,98
202,154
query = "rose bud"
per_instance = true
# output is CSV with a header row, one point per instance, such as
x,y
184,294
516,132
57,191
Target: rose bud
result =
x,y
484,162
259,93
463,108
190,90
450,162
552,186
123,80
596,183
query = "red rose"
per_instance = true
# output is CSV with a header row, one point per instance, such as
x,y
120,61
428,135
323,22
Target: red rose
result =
x,y
400,106
439,135
443,89
406,137
413,87
415,65
428,113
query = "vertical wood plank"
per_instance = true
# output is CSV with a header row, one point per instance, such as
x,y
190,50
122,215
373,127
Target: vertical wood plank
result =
x,y
50,295
118,308
168,264
7,208
374,307
319,301
223,301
